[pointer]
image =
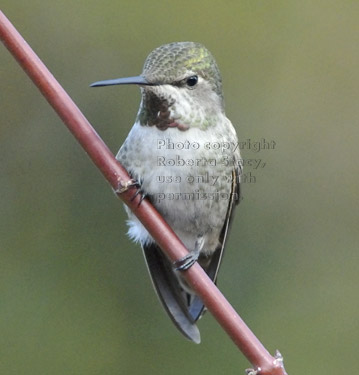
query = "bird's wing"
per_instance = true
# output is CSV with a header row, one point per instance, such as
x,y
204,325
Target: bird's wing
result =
x,y
185,308
212,265
170,292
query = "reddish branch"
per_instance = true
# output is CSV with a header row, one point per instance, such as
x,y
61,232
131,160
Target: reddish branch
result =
x,y
116,175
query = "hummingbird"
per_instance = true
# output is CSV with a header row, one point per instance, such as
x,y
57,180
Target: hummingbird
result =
x,y
183,153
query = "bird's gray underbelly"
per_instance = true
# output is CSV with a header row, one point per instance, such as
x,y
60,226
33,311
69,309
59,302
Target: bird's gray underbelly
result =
x,y
190,187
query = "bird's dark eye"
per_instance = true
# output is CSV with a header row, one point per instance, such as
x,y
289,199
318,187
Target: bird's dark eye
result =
x,y
192,81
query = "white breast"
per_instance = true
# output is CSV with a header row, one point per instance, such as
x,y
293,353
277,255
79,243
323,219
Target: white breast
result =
x,y
185,176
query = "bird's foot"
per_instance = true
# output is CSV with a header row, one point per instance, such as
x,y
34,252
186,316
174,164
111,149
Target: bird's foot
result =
x,y
124,186
188,260
139,191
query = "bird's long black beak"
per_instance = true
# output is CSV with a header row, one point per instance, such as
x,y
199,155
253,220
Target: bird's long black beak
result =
x,y
139,80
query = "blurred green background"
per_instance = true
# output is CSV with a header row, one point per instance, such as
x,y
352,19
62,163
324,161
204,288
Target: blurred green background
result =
x,y
75,297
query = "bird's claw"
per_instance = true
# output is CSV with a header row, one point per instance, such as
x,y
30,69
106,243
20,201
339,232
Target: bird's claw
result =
x,y
139,191
186,262
190,259
124,186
